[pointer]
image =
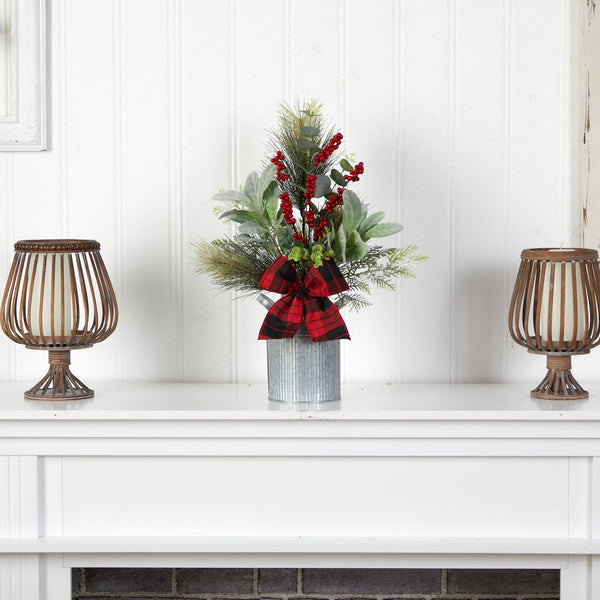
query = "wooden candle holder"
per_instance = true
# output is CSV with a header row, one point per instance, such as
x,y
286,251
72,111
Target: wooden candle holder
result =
x,y
58,297
555,310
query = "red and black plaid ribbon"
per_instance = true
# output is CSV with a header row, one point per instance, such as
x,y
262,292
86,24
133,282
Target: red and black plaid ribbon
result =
x,y
306,299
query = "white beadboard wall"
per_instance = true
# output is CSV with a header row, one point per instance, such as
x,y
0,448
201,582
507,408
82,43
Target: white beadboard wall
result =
x,y
465,113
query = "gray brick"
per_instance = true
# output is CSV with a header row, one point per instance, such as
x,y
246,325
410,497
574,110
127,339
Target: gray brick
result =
x,y
367,598
503,581
75,577
277,581
371,581
128,580
215,581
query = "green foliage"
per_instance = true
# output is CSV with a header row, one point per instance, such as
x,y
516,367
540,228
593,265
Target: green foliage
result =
x,y
379,268
262,233
255,210
348,241
233,264
301,133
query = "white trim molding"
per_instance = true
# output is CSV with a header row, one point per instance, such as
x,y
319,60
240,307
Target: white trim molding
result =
x,y
192,475
23,126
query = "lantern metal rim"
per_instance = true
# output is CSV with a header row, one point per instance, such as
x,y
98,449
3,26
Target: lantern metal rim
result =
x,y
559,254
57,246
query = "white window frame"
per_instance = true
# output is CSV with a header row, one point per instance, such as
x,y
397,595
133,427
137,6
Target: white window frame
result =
x,y
24,127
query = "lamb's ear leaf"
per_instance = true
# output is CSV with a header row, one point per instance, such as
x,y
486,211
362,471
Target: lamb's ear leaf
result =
x,y
352,212
250,228
240,216
265,179
382,230
271,201
339,245
233,196
251,186
370,221
355,247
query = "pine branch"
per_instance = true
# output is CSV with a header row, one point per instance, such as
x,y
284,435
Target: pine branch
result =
x,y
234,264
351,301
381,267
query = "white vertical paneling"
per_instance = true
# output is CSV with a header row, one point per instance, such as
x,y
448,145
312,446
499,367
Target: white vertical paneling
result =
x,y
370,128
595,525
318,63
536,202
462,111
423,178
88,168
7,350
19,574
37,179
316,58
176,205
260,89
117,275
146,330
480,210
206,169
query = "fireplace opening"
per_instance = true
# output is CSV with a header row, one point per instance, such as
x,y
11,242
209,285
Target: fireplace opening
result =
x,y
316,584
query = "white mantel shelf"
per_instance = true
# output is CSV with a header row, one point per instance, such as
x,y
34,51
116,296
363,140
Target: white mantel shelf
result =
x,y
473,475
243,402
298,545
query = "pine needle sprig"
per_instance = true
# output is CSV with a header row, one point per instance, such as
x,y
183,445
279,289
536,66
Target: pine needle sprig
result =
x,y
298,147
352,301
234,264
379,267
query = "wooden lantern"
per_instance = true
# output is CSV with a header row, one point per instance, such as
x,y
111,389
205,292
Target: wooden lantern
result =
x,y
555,310
58,297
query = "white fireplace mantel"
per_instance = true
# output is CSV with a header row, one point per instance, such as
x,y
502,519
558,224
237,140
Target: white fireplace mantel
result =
x,y
473,476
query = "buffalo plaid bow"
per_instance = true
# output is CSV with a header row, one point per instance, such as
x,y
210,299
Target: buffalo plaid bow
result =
x,y
306,299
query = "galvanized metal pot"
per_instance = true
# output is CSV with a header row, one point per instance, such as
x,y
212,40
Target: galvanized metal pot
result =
x,y
302,371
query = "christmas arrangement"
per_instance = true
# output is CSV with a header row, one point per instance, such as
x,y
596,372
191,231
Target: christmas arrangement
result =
x,y
303,232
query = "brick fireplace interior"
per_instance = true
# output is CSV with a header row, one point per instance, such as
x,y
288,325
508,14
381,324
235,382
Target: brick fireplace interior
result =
x,y
316,584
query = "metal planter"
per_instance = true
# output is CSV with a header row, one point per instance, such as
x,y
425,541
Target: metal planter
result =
x,y
301,371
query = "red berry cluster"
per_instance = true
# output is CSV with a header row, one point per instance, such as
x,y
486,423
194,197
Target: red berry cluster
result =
x,y
286,208
359,169
298,237
309,216
311,184
332,146
319,230
277,160
334,200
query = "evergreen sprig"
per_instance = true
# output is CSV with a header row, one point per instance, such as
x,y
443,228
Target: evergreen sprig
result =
x,y
267,225
234,264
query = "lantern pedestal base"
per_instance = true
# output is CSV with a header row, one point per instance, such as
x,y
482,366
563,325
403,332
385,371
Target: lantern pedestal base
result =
x,y
559,383
59,383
